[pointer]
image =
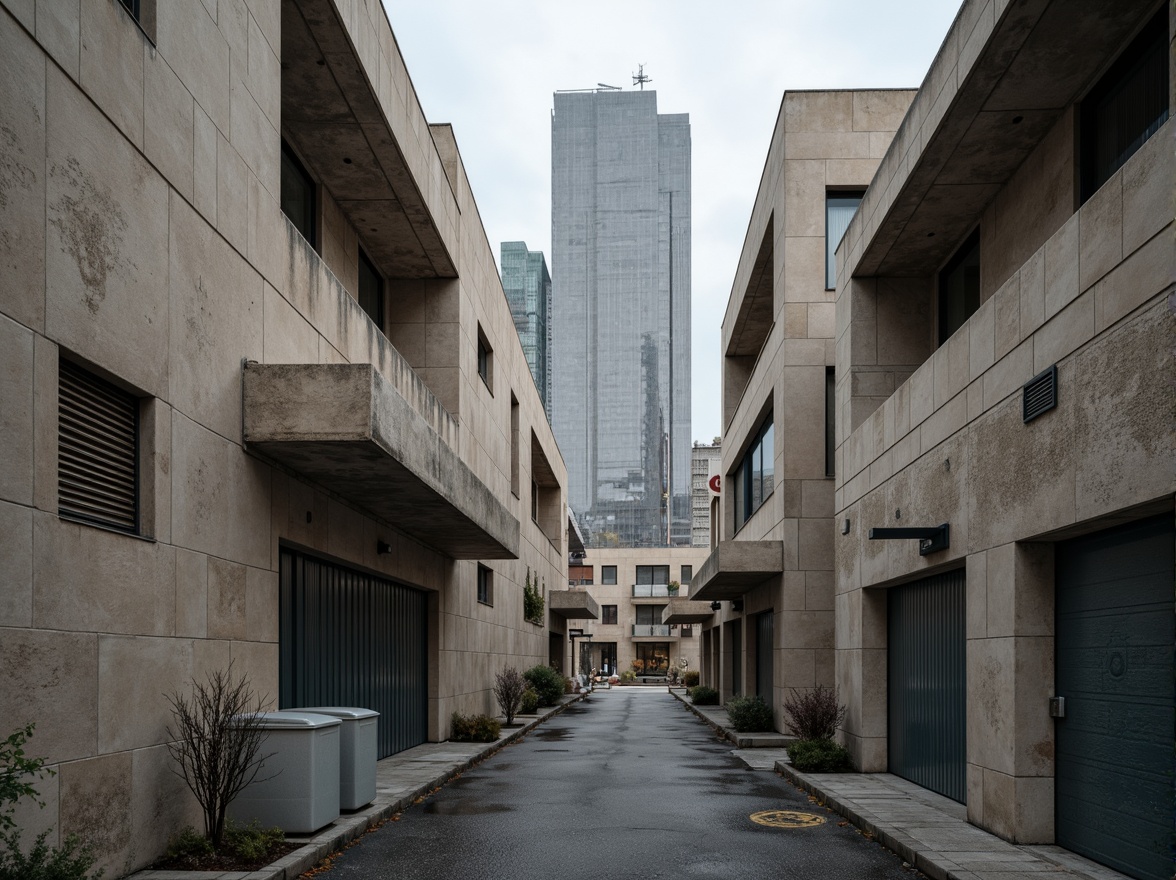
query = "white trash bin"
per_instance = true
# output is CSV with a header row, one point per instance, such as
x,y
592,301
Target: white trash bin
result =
x,y
358,749
297,787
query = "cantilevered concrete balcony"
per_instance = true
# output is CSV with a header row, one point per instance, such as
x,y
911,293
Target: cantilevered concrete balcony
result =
x,y
573,605
735,567
349,429
686,611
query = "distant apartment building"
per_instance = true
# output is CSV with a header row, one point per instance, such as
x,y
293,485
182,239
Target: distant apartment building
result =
x,y
620,406
262,399
527,285
705,460
646,624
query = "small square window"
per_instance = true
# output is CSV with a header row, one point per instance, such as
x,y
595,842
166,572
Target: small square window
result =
x,y
608,614
687,573
608,574
485,585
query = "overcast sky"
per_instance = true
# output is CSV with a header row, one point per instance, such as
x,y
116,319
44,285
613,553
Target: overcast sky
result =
x,y
490,68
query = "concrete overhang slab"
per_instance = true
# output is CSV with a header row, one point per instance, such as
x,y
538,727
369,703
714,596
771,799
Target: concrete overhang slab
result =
x,y
573,604
686,611
735,568
1036,62
347,428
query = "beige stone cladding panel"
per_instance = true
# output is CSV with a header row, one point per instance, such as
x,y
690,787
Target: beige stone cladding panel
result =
x,y
220,496
96,805
50,679
16,549
87,579
107,223
216,322
22,178
197,50
160,802
16,411
169,124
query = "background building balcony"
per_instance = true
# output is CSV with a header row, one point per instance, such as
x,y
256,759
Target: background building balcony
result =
x,y
646,630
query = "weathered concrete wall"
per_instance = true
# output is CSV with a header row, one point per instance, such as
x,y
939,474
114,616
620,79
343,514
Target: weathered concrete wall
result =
x,y
140,233
823,141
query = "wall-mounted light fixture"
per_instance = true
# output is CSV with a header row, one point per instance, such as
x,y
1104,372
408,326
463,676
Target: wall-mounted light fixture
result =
x,y
931,539
716,605
383,547
736,605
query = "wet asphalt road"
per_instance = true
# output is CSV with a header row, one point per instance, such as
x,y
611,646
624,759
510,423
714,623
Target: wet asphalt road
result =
x,y
627,785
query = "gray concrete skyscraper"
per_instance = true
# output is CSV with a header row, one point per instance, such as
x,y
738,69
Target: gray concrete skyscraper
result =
x,y
527,286
620,246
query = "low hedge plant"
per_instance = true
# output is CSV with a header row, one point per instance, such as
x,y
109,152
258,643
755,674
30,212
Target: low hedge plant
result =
x,y
474,728
701,695
547,683
818,756
750,714
690,678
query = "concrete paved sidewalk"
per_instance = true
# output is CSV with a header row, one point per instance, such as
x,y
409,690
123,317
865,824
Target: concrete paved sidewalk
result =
x,y
933,833
400,780
928,830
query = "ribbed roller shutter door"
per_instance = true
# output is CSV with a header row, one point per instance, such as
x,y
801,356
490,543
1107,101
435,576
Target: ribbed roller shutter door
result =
x,y
349,638
1114,667
927,683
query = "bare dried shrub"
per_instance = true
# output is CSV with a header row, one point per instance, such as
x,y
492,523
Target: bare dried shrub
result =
x,y
215,739
813,714
509,686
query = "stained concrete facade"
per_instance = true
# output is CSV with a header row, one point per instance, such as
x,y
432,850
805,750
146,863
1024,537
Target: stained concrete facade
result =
x,y
933,433
673,622
142,237
778,343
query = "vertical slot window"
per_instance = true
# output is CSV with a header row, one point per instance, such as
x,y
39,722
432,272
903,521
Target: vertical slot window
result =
x,y
299,202
371,291
839,210
959,287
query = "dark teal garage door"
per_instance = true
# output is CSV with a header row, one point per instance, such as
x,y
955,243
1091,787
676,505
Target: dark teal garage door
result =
x,y
765,643
1115,637
927,683
348,638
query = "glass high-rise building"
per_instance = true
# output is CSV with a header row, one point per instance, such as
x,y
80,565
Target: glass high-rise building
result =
x,y
620,247
527,285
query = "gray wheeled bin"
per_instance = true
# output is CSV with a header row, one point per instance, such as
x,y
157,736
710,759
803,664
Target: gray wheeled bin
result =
x,y
297,787
357,753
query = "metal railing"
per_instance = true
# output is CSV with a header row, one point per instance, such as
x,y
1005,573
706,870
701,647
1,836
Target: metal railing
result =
x,y
651,629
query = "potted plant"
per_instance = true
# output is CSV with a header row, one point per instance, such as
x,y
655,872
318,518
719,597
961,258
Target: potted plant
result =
x,y
673,588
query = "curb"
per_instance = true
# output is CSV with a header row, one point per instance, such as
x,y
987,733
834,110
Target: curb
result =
x,y
915,858
742,741
345,829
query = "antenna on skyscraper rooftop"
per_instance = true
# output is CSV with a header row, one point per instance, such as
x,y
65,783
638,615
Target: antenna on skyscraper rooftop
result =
x,y
639,78
607,86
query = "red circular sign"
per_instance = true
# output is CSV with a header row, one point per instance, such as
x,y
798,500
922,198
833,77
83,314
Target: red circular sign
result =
x,y
714,482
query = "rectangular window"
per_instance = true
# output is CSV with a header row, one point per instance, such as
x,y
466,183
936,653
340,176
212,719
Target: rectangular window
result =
x,y
755,477
830,420
608,574
608,614
839,210
97,451
959,287
371,290
299,202
687,574
534,502
1126,107
687,631
653,574
485,585
649,615
485,360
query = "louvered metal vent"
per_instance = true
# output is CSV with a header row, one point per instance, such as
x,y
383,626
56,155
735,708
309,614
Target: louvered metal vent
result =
x,y
1039,394
97,451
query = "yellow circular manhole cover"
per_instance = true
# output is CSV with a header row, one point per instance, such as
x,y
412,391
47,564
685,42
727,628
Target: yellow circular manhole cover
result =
x,y
786,819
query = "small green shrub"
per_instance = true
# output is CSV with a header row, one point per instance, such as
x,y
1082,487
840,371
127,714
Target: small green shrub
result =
x,y
530,702
690,678
70,861
701,695
628,676
474,728
750,714
188,845
252,841
818,756
547,683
